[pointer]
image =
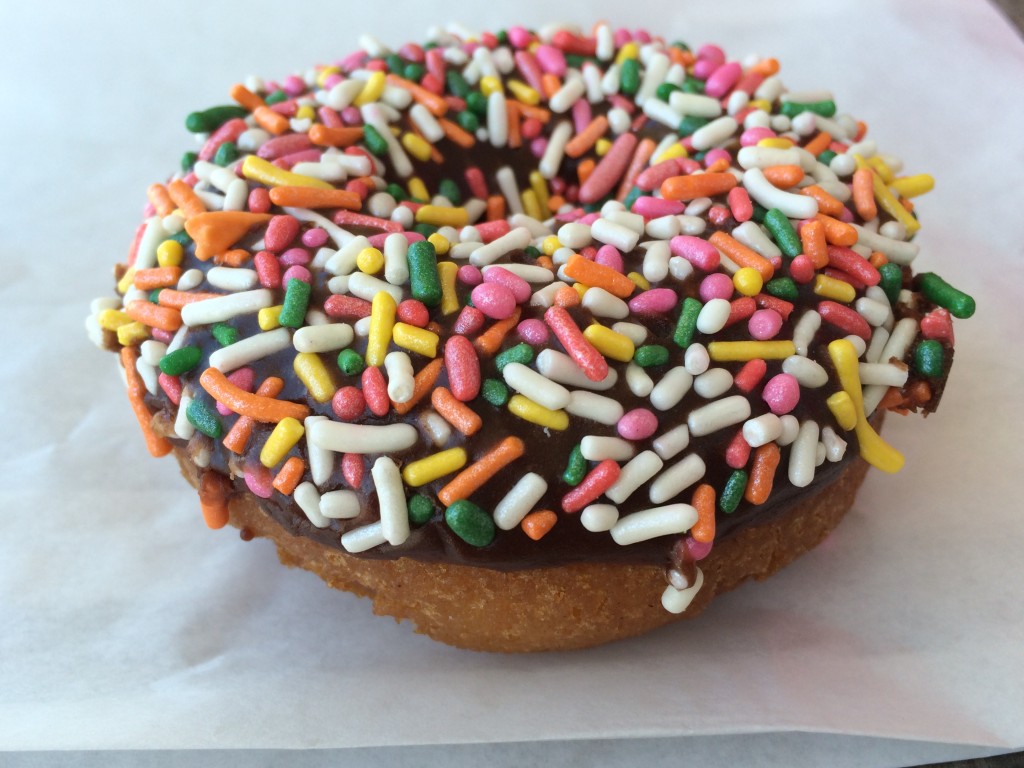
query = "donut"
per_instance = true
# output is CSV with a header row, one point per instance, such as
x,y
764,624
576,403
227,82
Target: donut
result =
x,y
539,339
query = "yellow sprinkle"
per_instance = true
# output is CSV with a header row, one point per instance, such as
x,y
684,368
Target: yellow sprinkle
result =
x,y
550,244
430,468
372,91
326,72
440,243
843,409
886,200
883,169
370,261
489,85
112,319
735,351
639,281
312,372
581,289
762,104
447,272
629,51
285,435
418,340
269,318
912,186
873,449
775,142
748,281
442,216
524,93
539,185
127,281
305,112
258,169
382,323
417,189
610,343
602,146
416,146
674,151
831,288
131,334
169,253
531,206
526,409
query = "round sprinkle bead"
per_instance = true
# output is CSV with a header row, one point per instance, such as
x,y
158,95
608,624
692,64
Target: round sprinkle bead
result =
x,y
348,403
764,324
748,281
638,424
370,261
782,393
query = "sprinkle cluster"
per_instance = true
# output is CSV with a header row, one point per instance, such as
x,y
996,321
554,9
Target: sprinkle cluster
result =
x,y
703,274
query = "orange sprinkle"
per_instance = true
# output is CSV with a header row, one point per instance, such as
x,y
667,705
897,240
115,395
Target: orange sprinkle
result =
x,y
826,203
586,138
157,445
722,164
270,120
233,258
920,392
743,256
837,232
697,185
526,110
878,259
238,436
864,193
762,473
264,409
783,176
434,103
489,342
641,157
862,129
185,198
546,262
156,277
891,400
495,208
592,274
704,502
214,492
812,237
154,315
456,413
566,296
479,472
312,197
246,98
325,136
819,143
515,136
550,84
421,384
537,524
456,134
766,67
555,202
584,169
216,231
288,478
173,299
157,194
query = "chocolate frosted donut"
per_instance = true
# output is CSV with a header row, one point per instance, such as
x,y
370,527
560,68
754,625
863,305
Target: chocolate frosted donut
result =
x,y
540,340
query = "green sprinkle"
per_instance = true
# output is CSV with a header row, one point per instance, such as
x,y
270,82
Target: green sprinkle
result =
x,y
425,229
826,157
395,63
396,192
470,523
929,358
823,108
457,83
892,281
226,154
576,468
182,237
494,392
414,72
520,353
276,97
594,207
424,281
665,90
632,197
681,45
350,362
687,322
782,233
693,85
421,509
188,160
225,334
502,37
691,123
154,296
533,253
374,141
211,119
629,77
651,355
477,103
449,189
782,288
937,290
296,301
733,491
180,360
203,419
759,213
467,121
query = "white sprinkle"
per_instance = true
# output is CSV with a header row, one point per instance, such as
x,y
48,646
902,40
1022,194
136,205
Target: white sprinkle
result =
x,y
221,308
805,330
589,405
634,474
529,272
713,316
363,438
835,446
515,239
619,120
766,157
497,118
599,448
806,371
237,195
764,192
308,498
694,105
400,376
601,303
654,522
712,383
182,426
151,351
436,427
154,234
885,374
339,505
571,91
658,110
559,367
323,338
633,331
663,228
898,251
343,261
598,518
673,442
426,122
248,350
574,235
678,600
537,228
362,539
751,235
802,456
718,415
677,478
655,70
623,238
762,430
232,279
517,503
148,373
696,359
790,429
714,133
400,163
875,312
367,286
536,387
878,341
638,381
394,515
619,215
672,388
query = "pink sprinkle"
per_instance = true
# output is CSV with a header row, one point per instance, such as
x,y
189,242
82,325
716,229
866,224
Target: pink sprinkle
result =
x,y
294,256
703,68
938,324
653,302
723,79
764,324
519,287
638,424
494,300
243,378
259,480
654,207
716,286
469,275
280,232
164,337
296,273
492,230
714,155
281,146
653,177
738,452
531,128
751,136
377,241
533,331
469,321
697,550
348,403
581,114
315,237
538,146
519,37
609,256
463,366
782,393
305,156
293,85
697,251
712,53
551,60
351,116
171,385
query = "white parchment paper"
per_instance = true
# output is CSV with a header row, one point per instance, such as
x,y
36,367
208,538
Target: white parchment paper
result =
x,y
124,623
